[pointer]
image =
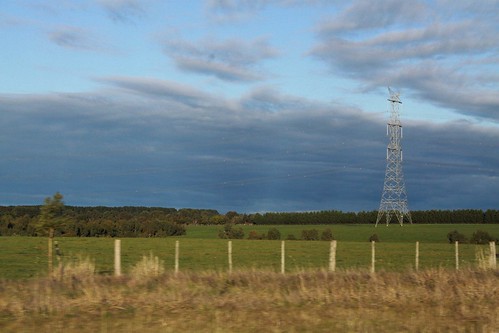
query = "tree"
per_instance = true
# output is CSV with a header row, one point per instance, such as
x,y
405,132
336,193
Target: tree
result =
x,y
51,218
312,234
327,235
229,232
456,236
51,215
273,234
481,237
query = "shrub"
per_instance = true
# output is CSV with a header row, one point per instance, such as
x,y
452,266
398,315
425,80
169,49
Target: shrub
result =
x,y
327,235
481,237
255,235
273,234
374,238
229,232
173,229
291,237
455,236
312,234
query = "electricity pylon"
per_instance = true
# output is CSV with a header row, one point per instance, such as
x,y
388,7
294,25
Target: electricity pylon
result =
x,y
394,197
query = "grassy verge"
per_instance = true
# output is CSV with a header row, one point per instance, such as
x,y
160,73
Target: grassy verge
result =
x,y
433,300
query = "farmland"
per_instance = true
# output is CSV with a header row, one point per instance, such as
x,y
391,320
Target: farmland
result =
x,y
82,295
200,249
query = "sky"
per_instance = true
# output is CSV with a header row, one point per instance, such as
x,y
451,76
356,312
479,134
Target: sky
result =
x,y
248,105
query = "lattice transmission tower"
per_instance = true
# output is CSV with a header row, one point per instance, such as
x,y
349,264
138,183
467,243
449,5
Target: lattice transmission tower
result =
x,y
394,196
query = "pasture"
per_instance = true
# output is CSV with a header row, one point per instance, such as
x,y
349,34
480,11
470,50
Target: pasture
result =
x,y
82,295
201,250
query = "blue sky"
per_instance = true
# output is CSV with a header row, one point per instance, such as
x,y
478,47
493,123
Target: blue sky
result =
x,y
253,106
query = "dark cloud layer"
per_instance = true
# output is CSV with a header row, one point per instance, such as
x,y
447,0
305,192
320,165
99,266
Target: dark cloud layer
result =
x,y
148,142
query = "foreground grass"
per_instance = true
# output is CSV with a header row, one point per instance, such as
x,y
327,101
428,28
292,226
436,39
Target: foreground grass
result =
x,y
77,300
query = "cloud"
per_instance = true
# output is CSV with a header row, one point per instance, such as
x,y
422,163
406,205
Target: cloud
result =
x,y
160,89
241,10
373,14
142,141
124,11
229,60
74,38
434,51
8,21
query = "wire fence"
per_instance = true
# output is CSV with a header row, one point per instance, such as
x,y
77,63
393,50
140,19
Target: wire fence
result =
x,y
386,258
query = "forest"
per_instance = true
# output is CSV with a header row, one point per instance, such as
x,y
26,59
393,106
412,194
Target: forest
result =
x,y
161,222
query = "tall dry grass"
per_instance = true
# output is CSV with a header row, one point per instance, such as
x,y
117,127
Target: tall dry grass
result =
x,y
77,300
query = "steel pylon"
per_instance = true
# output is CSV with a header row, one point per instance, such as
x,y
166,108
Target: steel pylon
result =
x,y
394,196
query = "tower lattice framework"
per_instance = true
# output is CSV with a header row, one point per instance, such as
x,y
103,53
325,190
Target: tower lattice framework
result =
x,y
394,196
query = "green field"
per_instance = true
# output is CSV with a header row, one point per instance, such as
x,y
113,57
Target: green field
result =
x,y
200,250
427,233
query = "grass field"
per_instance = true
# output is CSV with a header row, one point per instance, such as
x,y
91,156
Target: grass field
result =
x,y
427,233
82,295
201,250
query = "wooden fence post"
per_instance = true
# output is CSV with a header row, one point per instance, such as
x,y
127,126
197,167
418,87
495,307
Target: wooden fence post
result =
x,y
229,250
373,256
117,257
332,256
283,259
457,255
493,257
50,256
417,256
176,256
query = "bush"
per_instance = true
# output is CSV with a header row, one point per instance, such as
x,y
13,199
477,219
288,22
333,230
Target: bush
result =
x,y
327,235
455,236
291,237
374,238
255,235
273,234
312,234
173,229
482,237
229,232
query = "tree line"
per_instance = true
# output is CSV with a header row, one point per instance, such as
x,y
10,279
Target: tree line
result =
x,y
468,216
160,222
102,221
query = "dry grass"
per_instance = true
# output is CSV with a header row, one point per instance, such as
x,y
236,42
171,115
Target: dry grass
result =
x,y
149,266
76,300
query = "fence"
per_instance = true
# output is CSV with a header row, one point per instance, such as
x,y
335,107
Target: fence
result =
x,y
485,261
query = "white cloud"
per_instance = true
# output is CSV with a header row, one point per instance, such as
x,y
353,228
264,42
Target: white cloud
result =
x,y
224,11
374,14
123,10
75,38
439,55
231,60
